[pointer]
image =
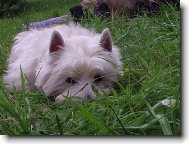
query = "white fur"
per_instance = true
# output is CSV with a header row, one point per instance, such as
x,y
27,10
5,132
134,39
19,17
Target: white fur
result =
x,y
82,58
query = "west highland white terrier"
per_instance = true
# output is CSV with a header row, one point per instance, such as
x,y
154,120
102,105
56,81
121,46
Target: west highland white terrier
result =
x,y
65,60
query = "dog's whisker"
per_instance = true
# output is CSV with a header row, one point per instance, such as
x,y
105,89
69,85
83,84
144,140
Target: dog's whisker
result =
x,y
38,72
81,89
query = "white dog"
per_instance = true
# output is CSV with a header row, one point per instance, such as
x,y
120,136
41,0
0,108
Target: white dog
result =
x,y
65,60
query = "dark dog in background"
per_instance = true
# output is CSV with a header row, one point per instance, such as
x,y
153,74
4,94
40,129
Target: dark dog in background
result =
x,y
131,8
135,7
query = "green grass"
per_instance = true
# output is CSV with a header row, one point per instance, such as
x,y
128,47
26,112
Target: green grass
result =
x,y
144,101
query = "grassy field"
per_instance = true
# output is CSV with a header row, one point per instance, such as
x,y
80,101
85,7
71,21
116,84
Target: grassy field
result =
x,y
144,101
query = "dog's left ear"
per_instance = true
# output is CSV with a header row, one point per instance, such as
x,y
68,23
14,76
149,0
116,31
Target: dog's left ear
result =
x,y
57,42
106,40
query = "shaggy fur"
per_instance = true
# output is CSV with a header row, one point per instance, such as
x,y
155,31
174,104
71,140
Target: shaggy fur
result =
x,y
66,60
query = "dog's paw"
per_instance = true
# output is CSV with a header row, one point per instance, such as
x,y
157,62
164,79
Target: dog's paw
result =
x,y
59,99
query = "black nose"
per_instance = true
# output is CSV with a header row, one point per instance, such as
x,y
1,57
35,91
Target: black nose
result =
x,y
88,96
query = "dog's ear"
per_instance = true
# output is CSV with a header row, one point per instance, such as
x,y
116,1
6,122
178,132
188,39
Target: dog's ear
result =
x,y
106,40
56,43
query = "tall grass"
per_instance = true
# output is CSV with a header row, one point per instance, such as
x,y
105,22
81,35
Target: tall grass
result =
x,y
144,101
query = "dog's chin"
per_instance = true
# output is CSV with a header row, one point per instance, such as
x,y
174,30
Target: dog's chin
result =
x,y
60,99
80,96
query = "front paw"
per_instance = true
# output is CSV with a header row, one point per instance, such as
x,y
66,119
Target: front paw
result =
x,y
59,99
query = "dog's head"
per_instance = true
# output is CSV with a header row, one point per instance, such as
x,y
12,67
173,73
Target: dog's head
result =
x,y
80,66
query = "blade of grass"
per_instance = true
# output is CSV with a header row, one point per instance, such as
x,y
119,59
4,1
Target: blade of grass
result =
x,y
96,121
166,128
59,125
119,121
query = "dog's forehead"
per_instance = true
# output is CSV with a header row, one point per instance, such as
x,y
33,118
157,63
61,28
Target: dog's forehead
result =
x,y
83,44
84,69
86,66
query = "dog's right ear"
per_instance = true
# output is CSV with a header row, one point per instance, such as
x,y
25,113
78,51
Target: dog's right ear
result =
x,y
57,42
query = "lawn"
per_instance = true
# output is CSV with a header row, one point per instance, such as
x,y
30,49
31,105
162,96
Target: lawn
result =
x,y
144,101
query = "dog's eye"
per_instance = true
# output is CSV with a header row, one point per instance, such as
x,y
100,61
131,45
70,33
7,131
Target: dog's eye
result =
x,y
97,78
70,80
